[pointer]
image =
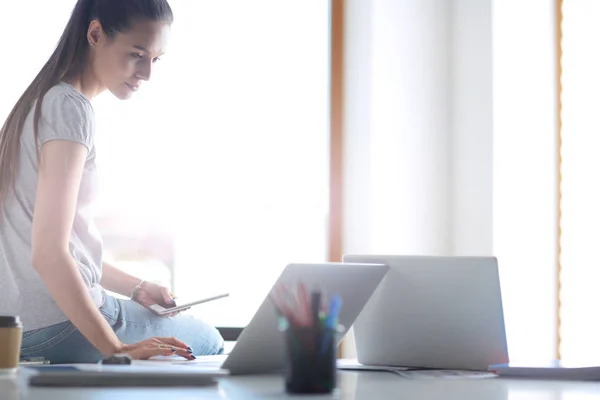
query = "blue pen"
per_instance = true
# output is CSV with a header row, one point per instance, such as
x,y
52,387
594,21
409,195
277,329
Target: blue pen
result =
x,y
331,320
334,309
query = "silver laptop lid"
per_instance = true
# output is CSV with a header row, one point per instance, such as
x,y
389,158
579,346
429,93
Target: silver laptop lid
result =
x,y
433,312
260,349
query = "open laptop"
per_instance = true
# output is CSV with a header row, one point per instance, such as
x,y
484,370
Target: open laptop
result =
x,y
433,312
260,347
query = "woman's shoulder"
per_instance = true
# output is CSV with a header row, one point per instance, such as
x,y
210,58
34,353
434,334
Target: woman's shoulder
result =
x,y
66,114
65,95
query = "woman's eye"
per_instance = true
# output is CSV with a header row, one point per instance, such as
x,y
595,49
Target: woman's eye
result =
x,y
137,55
157,59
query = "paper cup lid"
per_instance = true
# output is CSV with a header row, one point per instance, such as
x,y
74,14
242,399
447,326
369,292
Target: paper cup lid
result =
x,y
10,321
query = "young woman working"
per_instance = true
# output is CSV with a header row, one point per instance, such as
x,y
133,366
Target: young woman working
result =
x,y
51,270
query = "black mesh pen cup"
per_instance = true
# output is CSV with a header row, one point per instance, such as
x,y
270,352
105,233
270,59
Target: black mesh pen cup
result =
x,y
310,359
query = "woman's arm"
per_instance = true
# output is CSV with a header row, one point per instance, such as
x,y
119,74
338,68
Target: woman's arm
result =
x,y
118,281
59,177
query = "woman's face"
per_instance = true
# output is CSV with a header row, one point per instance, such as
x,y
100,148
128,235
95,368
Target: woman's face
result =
x,y
121,63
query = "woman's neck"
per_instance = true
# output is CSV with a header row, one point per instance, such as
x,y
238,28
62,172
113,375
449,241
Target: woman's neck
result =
x,y
87,84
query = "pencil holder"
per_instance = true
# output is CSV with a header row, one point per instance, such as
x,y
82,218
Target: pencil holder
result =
x,y
311,354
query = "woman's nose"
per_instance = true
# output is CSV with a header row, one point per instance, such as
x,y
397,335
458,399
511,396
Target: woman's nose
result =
x,y
145,72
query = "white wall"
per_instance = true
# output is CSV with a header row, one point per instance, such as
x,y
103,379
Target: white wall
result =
x,y
397,127
358,82
409,127
471,125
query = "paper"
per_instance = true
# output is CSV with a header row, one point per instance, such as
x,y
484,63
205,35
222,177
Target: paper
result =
x,y
201,363
445,374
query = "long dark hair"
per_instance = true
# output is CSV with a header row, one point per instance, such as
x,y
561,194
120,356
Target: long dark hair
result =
x,y
68,61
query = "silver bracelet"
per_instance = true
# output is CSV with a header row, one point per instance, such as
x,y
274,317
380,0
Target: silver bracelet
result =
x,y
136,290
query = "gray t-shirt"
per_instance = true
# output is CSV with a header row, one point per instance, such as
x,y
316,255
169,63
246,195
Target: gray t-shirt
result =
x,y
66,115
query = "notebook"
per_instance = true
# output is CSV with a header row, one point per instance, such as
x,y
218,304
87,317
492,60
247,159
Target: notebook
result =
x,y
555,369
96,375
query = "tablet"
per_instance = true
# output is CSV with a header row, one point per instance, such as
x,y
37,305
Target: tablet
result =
x,y
182,306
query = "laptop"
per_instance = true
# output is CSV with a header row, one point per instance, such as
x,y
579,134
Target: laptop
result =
x,y
433,312
260,346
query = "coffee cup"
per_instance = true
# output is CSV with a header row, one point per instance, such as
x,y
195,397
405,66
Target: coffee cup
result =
x,y
11,332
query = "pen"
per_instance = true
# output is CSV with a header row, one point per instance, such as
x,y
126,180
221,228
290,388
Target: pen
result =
x,y
304,305
331,321
45,362
315,306
334,309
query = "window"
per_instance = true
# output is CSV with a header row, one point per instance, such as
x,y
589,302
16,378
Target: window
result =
x,y
524,181
246,115
23,58
234,159
225,152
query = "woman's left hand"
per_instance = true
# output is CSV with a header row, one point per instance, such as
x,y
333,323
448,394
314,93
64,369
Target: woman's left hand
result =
x,y
152,293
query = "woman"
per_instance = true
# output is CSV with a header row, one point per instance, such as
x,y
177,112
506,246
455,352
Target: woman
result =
x,y
51,269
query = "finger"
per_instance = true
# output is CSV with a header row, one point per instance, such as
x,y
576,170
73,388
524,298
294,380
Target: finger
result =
x,y
166,295
184,352
151,350
174,342
164,349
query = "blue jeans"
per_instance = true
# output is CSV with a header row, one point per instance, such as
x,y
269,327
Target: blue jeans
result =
x,y
64,343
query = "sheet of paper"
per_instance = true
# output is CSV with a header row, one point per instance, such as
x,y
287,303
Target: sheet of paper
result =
x,y
220,358
445,374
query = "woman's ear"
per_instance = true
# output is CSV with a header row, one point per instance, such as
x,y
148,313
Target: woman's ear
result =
x,y
94,33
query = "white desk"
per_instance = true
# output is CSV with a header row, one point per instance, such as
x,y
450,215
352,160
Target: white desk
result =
x,y
352,385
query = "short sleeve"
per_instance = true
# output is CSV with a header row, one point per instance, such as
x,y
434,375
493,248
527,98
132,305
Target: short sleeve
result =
x,y
66,116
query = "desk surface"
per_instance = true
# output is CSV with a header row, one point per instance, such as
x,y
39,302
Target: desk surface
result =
x,y
352,385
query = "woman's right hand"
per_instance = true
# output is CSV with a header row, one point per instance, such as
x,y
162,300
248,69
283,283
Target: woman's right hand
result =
x,y
157,346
